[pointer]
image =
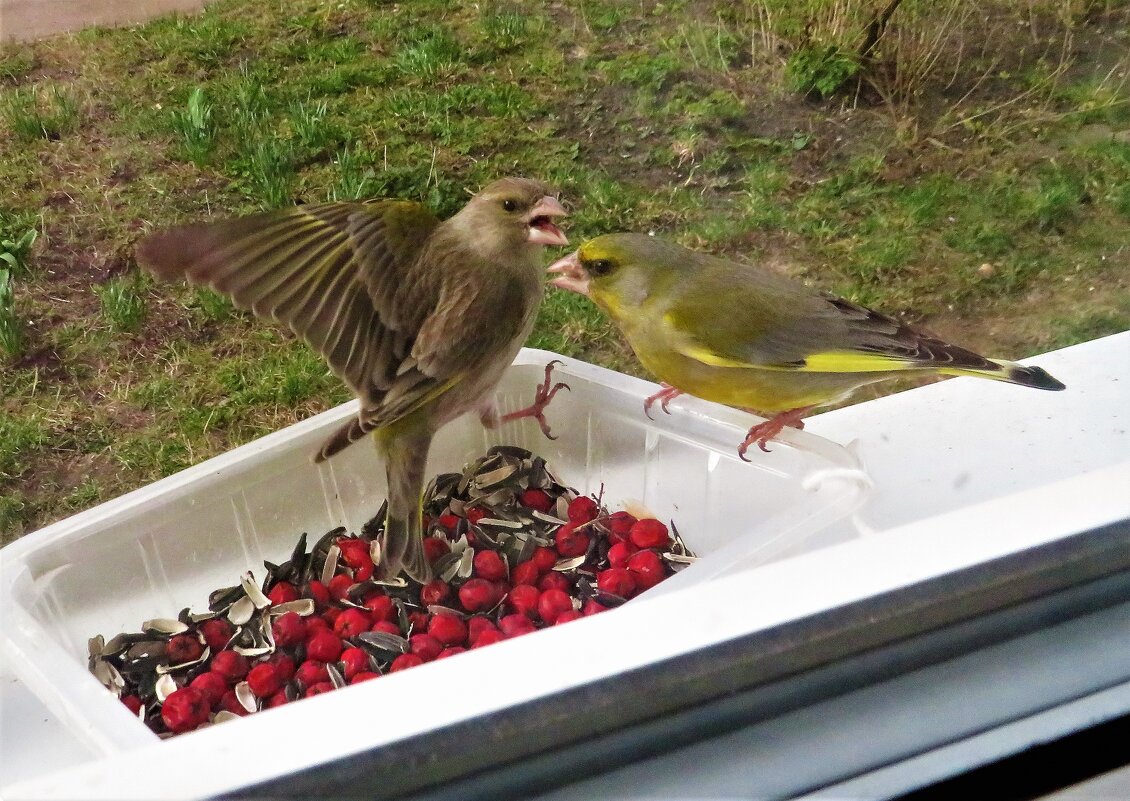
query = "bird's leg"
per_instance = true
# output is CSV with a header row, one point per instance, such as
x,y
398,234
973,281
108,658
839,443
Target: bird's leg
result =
x,y
763,432
544,394
664,396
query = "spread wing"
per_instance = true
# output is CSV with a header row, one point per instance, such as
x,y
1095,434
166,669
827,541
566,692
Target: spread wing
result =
x,y
335,273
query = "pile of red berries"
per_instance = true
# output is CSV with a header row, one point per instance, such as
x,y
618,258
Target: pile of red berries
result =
x,y
322,620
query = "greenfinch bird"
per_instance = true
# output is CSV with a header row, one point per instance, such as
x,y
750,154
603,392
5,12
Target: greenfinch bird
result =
x,y
420,318
748,337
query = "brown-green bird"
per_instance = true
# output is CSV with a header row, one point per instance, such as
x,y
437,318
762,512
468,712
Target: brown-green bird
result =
x,y
418,317
748,337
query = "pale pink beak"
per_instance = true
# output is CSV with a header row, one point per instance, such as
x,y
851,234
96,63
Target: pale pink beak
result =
x,y
573,276
543,231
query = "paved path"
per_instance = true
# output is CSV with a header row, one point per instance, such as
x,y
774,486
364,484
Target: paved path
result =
x,y
23,20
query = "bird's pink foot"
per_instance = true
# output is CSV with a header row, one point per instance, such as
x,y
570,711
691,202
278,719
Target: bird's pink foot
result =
x,y
763,432
544,394
664,397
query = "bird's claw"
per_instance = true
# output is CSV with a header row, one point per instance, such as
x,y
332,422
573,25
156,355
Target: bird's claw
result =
x,y
542,396
763,432
664,396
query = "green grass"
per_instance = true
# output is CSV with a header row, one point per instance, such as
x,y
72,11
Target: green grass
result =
x,y
672,117
123,303
11,325
46,112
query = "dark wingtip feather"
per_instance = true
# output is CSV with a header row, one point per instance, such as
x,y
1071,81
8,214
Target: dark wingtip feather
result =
x,y
1035,377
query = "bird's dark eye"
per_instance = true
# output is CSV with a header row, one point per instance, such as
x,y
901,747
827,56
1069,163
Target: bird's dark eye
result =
x,y
509,204
599,267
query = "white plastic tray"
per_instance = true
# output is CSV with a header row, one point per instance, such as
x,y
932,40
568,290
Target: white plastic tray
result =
x,y
166,546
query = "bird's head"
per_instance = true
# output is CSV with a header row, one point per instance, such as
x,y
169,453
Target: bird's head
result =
x,y
512,213
618,271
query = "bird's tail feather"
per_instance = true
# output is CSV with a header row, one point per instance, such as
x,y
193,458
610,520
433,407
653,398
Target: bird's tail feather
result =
x,y
405,450
1013,373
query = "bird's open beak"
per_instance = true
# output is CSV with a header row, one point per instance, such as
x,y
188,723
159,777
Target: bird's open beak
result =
x,y
543,231
572,275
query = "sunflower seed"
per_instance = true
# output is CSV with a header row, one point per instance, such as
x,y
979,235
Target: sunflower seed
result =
x,y
223,716
330,566
245,697
564,565
496,476
241,611
163,625
165,687
336,679
382,641
303,607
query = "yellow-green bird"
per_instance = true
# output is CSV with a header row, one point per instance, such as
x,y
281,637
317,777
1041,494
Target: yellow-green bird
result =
x,y
418,317
752,338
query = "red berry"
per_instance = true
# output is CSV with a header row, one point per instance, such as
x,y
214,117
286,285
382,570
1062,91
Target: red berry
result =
x,y
488,637
184,709
536,499
567,615
324,647
331,615
318,689
217,632
476,595
523,599
555,581
288,629
380,606
283,592
264,680
617,580
448,629
278,699
490,566
354,552
571,542
405,661
354,661
229,703
545,558
582,509
284,665
649,533
364,675
552,603
425,646
212,686
434,548
516,625
477,625
452,651
133,703
475,514
315,626
183,648
387,626
449,521
339,586
593,607
364,573
311,672
352,622
647,569
619,554
619,526
230,665
525,573
418,621
319,592
435,591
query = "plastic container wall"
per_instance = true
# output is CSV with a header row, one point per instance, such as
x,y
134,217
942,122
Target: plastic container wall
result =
x,y
164,547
